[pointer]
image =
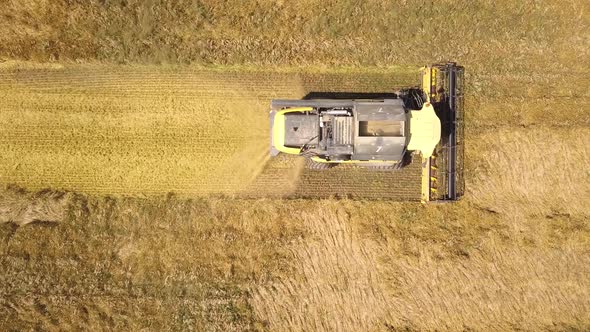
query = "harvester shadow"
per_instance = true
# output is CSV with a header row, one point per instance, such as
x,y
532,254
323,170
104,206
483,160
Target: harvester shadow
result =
x,y
361,183
350,95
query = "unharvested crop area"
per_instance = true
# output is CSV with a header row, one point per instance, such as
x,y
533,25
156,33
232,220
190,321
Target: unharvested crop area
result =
x,y
103,98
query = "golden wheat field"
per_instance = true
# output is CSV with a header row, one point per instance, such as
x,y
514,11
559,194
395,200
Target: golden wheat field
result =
x,y
137,192
153,130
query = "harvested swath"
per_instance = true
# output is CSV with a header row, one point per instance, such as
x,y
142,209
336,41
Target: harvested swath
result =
x,y
287,176
278,179
151,130
359,182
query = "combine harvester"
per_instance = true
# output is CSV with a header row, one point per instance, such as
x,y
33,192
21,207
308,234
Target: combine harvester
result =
x,y
383,134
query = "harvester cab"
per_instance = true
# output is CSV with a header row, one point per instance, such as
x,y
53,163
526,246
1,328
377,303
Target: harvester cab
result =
x,y
383,133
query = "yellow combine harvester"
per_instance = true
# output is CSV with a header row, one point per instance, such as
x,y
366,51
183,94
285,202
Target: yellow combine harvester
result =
x,y
383,133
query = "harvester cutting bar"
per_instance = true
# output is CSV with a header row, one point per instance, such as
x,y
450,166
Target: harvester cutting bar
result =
x,y
446,94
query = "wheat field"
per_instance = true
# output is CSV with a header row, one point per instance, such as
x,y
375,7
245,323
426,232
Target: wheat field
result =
x,y
118,210
152,130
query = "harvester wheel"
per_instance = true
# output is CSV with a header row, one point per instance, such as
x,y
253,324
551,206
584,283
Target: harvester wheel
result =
x,y
383,168
310,164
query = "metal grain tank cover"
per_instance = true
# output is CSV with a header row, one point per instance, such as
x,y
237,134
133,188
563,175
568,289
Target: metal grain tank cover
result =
x,y
380,130
391,109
